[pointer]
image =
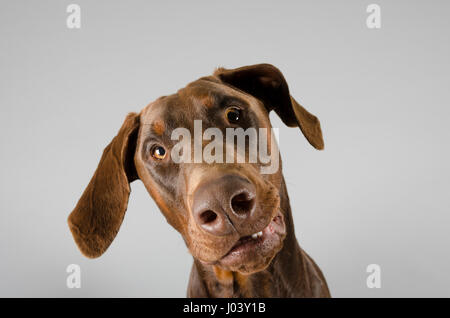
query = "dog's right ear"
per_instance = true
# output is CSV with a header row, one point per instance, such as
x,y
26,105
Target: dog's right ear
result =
x,y
98,214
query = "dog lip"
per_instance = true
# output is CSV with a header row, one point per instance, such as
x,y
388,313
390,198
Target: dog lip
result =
x,y
258,238
278,228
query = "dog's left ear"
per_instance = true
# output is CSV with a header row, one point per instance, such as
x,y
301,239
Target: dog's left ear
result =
x,y
267,83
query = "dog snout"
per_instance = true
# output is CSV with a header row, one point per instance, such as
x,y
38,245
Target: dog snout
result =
x,y
223,204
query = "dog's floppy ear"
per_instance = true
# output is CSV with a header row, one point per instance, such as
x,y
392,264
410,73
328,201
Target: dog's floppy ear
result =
x,y
267,83
98,214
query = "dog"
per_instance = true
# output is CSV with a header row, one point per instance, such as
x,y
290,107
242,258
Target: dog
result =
x,y
235,221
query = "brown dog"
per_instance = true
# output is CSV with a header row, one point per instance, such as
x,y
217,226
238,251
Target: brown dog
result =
x,y
236,222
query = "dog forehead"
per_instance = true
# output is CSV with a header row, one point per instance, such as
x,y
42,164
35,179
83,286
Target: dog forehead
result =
x,y
205,87
179,109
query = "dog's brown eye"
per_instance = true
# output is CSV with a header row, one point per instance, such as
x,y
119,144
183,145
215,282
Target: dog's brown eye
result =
x,y
233,114
158,152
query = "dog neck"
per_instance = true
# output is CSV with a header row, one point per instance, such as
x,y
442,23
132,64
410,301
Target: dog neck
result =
x,y
292,273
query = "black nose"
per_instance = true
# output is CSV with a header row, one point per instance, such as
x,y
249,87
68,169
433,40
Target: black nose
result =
x,y
223,203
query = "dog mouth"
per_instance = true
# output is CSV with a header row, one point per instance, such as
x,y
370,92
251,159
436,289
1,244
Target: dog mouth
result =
x,y
259,246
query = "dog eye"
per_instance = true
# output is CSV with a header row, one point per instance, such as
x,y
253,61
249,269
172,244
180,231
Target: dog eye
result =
x,y
158,152
233,114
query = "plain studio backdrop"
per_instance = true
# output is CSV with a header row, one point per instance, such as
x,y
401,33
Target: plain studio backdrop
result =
x,y
377,194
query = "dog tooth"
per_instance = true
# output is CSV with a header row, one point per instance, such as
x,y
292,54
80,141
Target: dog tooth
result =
x,y
256,235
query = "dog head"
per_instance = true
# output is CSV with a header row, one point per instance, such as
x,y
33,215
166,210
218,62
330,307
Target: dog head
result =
x,y
212,191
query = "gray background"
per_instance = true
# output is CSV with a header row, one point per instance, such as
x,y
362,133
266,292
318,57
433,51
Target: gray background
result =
x,y
379,193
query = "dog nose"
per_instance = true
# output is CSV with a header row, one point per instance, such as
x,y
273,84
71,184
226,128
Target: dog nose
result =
x,y
223,203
